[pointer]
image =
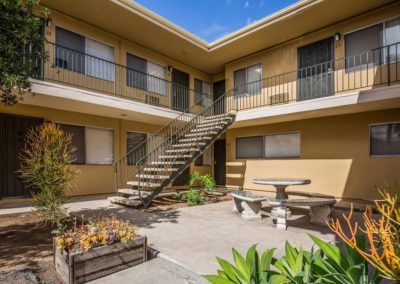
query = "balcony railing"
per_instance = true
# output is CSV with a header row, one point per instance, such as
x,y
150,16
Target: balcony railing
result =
x,y
75,68
378,67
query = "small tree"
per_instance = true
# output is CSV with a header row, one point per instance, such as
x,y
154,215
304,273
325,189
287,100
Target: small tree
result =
x,y
21,47
46,166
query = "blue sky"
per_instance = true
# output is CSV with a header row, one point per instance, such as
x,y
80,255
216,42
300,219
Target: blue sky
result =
x,y
212,19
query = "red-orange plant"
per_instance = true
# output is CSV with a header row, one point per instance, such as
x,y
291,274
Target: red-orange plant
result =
x,y
382,234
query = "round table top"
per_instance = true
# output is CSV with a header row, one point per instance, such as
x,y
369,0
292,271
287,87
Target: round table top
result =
x,y
281,181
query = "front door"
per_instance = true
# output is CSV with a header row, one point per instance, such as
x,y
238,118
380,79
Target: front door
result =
x,y
219,91
182,179
315,73
12,139
180,90
220,162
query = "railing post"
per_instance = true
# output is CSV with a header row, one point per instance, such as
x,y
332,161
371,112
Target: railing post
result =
x,y
388,63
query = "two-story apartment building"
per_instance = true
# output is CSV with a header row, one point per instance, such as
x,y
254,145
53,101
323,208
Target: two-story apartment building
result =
x,y
314,90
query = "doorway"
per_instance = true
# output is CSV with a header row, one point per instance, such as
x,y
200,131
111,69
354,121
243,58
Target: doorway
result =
x,y
180,90
219,91
220,162
315,70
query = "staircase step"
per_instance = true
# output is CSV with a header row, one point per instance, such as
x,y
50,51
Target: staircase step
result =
x,y
168,163
133,202
184,150
143,184
210,119
152,176
174,156
160,169
201,134
188,145
195,139
210,124
202,129
132,192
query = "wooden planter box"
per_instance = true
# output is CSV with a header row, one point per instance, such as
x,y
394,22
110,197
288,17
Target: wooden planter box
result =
x,y
97,262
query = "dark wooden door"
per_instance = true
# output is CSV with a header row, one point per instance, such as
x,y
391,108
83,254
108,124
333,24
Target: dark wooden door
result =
x,y
180,90
220,162
12,136
182,179
218,91
315,73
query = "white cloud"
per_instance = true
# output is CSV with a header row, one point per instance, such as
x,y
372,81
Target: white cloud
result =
x,y
248,21
246,4
214,29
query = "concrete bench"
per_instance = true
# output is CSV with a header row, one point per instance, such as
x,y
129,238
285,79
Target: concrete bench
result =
x,y
321,208
248,204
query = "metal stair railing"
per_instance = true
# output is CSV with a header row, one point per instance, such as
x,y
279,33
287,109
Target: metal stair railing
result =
x,y
226,104
124,167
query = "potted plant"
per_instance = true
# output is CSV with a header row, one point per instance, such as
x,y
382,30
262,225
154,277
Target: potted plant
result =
x,y
97,248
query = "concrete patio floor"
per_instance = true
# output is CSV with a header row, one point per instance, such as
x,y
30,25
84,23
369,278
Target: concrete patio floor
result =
x,y
193,236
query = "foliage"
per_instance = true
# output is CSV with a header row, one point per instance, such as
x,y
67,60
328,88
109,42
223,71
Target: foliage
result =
x,y
178,195
95,233
193,198
21,47
382,234
326,265
206,182
46,166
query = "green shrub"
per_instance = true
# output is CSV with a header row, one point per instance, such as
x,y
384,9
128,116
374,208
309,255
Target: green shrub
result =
x,y
325,265
205,182
46,166
193,198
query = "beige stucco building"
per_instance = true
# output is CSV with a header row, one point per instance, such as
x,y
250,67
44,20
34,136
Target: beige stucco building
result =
x,y
315,88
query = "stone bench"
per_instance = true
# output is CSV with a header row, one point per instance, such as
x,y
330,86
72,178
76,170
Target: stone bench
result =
x,y
321,208
248,204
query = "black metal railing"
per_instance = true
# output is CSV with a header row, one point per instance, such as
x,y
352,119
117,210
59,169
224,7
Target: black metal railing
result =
x,y
79,69
378,67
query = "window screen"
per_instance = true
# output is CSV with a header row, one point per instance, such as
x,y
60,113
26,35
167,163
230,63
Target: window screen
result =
x,y
240,81
202,92
134,139
392,38
385,139
156,82
99,146
70,49
249,147
136,71
78,140
253,79
99,60
359,47
286,145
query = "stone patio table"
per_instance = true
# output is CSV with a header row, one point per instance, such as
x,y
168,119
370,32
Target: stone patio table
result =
x,y
280,184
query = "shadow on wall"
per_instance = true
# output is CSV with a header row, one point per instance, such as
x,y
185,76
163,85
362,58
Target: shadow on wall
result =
x,y
328,176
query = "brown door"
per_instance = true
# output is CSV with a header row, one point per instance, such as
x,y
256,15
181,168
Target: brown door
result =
x,y
180,90
218,91
220,162
12,139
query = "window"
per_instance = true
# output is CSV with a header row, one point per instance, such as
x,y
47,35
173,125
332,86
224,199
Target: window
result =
x,y
362,47
78,141
134,139
99,146
93,145
286,145
145,75
283,145
249,147
385,139
202,93
204,159
84,55
99,60
248,80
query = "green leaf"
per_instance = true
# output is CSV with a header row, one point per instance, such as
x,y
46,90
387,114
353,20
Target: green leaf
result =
x,y
241,265
278,279
252,259
227,268
266,260
216,279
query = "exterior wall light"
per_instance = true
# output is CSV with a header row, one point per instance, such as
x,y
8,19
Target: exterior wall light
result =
x,y
169,68
49,22
337,36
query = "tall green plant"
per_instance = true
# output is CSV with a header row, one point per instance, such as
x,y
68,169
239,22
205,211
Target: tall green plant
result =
x,y
46,166
205,182
21,47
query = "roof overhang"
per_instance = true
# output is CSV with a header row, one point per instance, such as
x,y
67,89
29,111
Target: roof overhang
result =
x,y
127,19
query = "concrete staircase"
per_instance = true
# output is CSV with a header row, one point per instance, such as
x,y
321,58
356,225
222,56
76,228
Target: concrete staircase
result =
x,y
154,172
